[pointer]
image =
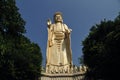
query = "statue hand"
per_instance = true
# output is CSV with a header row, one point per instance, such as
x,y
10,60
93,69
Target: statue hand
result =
x,y
70,30
50,43
49,22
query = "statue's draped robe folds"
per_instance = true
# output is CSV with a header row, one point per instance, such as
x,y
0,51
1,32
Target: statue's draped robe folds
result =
x,y
59,56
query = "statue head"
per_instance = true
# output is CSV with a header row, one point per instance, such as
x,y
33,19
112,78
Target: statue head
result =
x,y
58,17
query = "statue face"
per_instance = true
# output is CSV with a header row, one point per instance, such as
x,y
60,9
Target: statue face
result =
x,y
58,18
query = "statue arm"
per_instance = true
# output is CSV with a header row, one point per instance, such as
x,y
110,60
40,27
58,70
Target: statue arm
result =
x,y
50,35
68,43
50,32
67,29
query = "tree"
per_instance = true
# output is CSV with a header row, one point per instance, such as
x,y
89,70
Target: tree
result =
x,y
101,50
20,59
10,19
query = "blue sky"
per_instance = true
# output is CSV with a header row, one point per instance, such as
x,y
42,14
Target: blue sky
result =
x,y
79,15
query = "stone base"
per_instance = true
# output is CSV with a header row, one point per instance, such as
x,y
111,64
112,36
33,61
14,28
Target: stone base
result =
x,y
72,76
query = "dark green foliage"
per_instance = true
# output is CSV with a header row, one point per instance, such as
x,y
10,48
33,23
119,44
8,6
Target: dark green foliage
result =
x,y
20,59
101,50
10,19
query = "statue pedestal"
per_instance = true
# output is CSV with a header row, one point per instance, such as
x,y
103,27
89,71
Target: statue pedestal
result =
x,y
71,76
76,74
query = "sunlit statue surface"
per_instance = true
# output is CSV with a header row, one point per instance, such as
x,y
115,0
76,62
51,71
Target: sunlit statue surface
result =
x,y
59,55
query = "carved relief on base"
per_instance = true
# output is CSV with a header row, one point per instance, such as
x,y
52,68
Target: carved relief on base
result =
x,y
58,69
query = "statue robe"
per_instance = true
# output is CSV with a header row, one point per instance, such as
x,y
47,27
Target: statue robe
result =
x,y
58,45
